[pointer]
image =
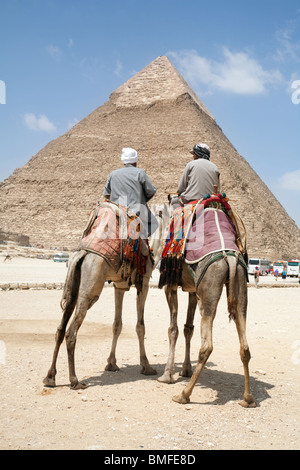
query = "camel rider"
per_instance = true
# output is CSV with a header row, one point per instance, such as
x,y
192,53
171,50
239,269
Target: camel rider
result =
x,y
199,176
130,187
198,179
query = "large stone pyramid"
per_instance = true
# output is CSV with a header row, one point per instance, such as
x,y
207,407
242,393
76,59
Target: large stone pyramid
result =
x,y
49,199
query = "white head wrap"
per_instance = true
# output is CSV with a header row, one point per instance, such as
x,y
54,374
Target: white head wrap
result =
x,y
129,156
201,145
204,146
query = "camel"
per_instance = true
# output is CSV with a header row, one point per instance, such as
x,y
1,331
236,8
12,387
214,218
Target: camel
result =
x,y
226,271
86,276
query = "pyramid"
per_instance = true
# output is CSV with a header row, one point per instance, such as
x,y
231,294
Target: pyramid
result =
x,y
157,113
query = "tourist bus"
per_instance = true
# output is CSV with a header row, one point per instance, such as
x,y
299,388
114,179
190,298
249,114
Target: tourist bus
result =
x,y
280,266
293,268
261,263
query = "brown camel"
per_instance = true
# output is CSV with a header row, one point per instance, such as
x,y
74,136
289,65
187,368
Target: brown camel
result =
x,y
226,271
85,279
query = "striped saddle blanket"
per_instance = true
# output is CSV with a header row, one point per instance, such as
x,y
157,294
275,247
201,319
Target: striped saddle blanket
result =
x,y
196,230
211,231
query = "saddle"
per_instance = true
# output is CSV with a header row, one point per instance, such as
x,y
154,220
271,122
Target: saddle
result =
x,y
197,229
112,232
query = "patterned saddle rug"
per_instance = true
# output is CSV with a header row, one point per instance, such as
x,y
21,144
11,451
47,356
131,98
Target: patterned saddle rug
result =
x,y
113,233
197,230
211,231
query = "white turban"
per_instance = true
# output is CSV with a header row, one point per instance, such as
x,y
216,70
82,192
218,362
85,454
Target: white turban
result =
x,y
204,146
129,156
200,145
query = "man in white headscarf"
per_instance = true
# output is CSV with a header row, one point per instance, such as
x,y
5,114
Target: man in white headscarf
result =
x,y
130,187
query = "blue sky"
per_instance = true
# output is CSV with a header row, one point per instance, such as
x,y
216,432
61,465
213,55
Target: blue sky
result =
x,y
61,59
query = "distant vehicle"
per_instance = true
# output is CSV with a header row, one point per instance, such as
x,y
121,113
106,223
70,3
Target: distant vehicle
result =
x,y
60,257
262,264
293,268
280,266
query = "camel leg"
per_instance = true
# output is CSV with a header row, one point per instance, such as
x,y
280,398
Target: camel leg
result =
x,y
49,380
248,401
205,351
140,330
71,336
68,303
208,295
240,321
172,299
188,333
93,275
83,304
117,328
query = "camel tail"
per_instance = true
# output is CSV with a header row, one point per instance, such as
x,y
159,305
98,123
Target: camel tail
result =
x,y
72,281
231,291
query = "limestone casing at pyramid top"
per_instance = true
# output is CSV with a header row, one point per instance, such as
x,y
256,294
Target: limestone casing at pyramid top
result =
x,y
159,81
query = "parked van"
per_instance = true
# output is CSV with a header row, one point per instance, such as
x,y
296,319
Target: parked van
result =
x,y
61,257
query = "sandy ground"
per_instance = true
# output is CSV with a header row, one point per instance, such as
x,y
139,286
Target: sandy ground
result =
x,y
128,411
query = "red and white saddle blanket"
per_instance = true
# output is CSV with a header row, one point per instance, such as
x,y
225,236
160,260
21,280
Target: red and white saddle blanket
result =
x,y
212,231
113,233
197,230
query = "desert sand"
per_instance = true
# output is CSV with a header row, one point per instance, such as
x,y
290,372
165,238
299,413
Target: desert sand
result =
x,y
126,410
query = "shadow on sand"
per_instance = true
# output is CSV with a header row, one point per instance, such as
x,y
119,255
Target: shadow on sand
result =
x,y
227,386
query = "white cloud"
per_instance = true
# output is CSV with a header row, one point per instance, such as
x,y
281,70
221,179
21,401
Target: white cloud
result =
x,y
289,44
290,180
118,68
40,123
236,73
54,51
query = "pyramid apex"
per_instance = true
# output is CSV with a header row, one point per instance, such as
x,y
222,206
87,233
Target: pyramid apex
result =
x,y
158,81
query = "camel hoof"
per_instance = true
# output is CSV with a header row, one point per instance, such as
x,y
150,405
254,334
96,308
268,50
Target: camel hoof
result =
x,y
182,399
166,379
148,371
112,367
186,372
49,382
79,386
246,404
